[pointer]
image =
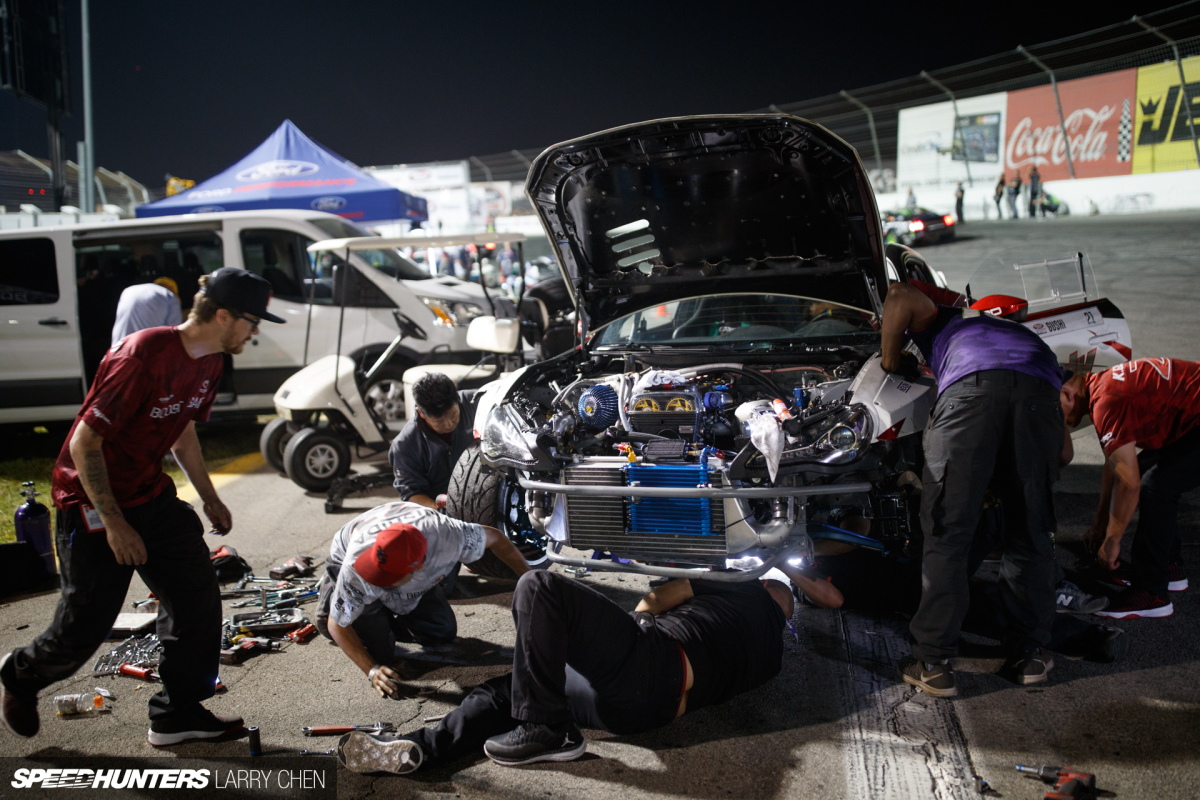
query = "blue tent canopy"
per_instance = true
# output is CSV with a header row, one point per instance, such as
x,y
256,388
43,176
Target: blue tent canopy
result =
x,y
290,170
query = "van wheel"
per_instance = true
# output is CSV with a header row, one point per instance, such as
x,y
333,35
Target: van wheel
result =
x,y
313,458
273,441
481,495
384,395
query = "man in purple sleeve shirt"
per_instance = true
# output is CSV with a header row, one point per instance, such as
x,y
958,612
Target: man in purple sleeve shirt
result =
x,y
997,417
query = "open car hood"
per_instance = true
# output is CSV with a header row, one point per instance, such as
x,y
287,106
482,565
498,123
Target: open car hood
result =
x,y
657,211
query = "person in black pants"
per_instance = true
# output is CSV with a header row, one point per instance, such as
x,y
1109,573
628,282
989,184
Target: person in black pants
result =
x,y
580,661
997,414
117,512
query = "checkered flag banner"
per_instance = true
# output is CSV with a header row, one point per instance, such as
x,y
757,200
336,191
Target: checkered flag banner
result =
x,y
1125,133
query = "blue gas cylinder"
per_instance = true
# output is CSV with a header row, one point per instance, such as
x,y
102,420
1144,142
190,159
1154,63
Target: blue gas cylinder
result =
x,y
32,521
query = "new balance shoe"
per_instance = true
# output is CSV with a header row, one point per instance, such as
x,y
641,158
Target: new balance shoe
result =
x,y
529,742
936,680
361,751
1070,599
203,724
1033,667
1176,580
1137,604
18,711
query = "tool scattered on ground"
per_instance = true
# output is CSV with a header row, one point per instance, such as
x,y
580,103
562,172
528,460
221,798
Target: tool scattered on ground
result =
x,y
302,635
437,718
137,651
296,566
1068,783
147,605
245,648
145,673
255,742
328,752
982,786
338,730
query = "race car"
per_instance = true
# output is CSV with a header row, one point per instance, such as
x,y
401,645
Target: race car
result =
x,y
917,226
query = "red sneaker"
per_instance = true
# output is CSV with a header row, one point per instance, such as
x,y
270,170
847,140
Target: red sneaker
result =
x,y
1137,604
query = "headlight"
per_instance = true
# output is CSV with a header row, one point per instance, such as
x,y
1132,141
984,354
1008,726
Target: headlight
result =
x,y
451,314
503,438
839,438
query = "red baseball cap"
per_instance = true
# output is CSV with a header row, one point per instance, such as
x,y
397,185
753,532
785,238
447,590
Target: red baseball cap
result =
x,y
398,550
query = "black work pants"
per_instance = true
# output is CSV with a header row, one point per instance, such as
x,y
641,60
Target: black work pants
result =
x,y
431,622
1166,475
179,572
634,675
1007,424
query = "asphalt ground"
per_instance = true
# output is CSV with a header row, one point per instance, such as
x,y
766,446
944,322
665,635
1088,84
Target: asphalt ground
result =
x,y
835,723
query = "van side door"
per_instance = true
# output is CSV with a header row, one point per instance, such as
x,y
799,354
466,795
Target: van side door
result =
x,y
40,374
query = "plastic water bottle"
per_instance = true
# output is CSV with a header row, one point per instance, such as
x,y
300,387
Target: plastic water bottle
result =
x,y
68,705
32,522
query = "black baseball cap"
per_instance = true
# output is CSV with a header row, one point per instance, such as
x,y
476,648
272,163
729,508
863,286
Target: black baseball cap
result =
x,y
239,290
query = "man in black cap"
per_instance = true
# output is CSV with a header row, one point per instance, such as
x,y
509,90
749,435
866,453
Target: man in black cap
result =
x,y
118,512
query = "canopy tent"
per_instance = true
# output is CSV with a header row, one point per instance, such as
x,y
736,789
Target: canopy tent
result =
x,y
290,170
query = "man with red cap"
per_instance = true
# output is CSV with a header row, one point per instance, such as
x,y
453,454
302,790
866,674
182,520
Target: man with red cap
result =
x,y
382,578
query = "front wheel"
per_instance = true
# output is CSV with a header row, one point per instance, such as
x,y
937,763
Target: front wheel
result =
x,y
384,394
314,457
482,496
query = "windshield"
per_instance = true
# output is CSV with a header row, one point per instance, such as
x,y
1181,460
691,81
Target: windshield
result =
x,y
386,260
719,318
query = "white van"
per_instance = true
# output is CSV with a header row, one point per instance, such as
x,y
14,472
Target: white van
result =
x,y
59,288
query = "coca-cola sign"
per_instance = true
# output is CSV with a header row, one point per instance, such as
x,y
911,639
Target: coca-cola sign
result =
x,y
1097,116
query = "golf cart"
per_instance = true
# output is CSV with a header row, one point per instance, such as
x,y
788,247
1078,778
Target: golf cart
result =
x,y
322,410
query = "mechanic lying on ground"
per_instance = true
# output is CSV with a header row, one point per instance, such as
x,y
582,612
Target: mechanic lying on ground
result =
x,y
425,451
381,583
118,512
996,414
1152,404
580,661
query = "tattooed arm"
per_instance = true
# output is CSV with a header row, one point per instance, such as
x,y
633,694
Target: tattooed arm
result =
x,y
87,452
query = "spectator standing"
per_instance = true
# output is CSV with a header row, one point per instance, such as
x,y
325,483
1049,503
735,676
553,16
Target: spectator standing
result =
x,y
147,305
958,202
1014,192
998,195
911,200
1035,189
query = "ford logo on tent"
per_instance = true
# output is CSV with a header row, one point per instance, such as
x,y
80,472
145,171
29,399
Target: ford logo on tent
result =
x,y
277,169
328,203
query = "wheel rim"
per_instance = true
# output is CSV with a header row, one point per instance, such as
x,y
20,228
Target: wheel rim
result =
x,y
322,461
386,399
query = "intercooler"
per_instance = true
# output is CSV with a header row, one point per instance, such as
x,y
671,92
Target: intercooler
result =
x,y
656,528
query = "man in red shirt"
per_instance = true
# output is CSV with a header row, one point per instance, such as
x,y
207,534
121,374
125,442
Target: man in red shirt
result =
x,y
1152,404
118,512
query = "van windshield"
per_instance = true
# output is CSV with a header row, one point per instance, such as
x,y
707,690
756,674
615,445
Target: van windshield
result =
x,y
386,259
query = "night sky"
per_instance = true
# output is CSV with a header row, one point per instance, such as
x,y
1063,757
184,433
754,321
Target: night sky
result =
x,y
189,88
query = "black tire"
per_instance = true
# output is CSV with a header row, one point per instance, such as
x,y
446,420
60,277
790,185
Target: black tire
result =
x,y
384,393
474,496
313,458
554,295
274,441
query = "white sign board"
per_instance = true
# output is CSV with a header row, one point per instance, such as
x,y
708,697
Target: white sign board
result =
x,y
935,150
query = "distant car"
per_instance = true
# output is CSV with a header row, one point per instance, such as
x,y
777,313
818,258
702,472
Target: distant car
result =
x,y
917,226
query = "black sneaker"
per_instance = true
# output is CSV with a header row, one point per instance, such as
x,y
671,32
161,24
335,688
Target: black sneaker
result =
x,y
184,728
529,742
936,680
18,711
1137,604
1033,667
1070,599
361,751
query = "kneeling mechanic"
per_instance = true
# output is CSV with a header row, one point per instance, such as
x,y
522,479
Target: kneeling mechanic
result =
x,y
381,583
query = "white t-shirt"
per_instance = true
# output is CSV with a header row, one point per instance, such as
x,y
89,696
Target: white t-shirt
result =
x,y
448,541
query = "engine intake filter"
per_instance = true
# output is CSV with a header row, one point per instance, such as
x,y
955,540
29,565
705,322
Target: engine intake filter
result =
x,y
598,407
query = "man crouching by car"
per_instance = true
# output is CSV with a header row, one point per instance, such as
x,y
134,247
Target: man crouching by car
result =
x,y
381,583
425,451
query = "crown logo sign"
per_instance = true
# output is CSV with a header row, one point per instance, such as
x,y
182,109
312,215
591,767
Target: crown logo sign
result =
x,y
1150,107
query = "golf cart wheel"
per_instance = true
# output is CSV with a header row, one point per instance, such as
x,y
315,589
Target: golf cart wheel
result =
x,y
313,458
482,496
273,441
384,395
